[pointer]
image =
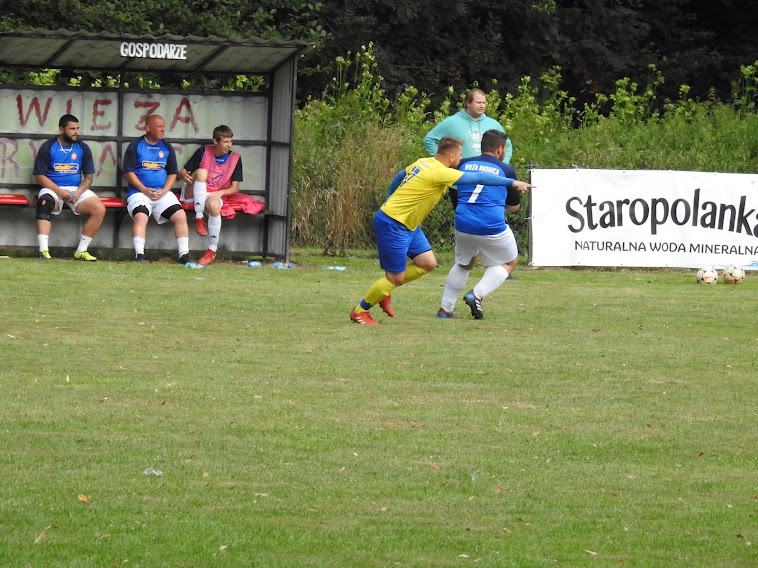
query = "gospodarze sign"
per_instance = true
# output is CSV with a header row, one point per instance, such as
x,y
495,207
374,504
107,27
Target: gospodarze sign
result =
x,y
644,218
153,50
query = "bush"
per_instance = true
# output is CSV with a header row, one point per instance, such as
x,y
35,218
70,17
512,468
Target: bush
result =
x,y
350,144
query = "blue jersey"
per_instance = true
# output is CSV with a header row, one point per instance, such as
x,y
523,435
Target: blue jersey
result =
x,y
152,163
64,165
481,208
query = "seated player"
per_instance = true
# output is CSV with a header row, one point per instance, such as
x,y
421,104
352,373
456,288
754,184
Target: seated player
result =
x,y
210,175
150,168
64,169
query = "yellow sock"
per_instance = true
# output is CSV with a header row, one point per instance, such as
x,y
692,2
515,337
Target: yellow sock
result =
x,y
383,287
413,272
378,291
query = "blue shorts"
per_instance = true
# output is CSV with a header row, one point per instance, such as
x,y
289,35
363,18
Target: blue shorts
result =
x,y
396,243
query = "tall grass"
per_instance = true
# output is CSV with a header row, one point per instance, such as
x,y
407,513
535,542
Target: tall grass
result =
x,y
349,144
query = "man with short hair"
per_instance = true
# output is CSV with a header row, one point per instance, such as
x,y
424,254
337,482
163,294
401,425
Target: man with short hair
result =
x,y
412,195
480,228
468,124
64,169
212,173
150,169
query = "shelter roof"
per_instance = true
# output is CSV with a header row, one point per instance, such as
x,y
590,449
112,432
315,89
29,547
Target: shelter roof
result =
x,y
119,53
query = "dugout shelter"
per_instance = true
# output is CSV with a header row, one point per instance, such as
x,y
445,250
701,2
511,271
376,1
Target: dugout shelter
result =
x,y
111,116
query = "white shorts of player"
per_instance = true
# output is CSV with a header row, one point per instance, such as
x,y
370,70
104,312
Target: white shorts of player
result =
x,y
59,202
156,208
494,250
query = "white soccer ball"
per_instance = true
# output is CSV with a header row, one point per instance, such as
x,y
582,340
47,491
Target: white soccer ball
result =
x,y
707,275
733,274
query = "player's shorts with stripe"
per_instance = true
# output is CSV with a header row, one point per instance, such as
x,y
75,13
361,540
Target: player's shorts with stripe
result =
x,y
494,250
396,243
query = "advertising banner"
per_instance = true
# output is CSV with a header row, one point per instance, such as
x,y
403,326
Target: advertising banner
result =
x,y
643,218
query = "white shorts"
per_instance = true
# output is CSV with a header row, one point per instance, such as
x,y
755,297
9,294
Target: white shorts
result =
x,y
493,249
59,202
155,208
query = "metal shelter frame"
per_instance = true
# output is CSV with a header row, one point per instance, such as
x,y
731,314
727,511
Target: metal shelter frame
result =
x,y
118,54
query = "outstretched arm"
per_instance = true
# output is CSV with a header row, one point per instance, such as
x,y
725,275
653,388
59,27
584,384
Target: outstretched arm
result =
x,y
484,178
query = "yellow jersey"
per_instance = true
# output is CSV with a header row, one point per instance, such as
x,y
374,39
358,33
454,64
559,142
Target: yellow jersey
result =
x,y
422,187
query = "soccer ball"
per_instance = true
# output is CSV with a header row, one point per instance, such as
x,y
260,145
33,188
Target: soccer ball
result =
x,y
733,274
707,275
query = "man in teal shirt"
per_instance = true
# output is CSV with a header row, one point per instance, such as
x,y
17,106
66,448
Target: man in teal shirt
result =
x,y
467,124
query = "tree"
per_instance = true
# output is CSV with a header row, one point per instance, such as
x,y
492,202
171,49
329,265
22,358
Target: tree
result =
x,y
432,45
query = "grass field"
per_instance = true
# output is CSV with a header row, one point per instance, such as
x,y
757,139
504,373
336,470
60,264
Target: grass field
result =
x,y
594,418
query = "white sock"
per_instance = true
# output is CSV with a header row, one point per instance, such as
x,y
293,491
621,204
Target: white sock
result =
x,y
454,283
182,244
214,231
83,243
201,193
139,245
43,242
493,277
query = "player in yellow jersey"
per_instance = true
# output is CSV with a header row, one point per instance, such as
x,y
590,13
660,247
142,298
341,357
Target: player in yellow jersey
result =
x,y
413,193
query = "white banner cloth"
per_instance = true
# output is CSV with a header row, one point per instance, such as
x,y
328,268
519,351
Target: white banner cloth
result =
x,y
643,218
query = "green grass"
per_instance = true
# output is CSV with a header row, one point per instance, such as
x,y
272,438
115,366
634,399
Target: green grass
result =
x,y
594,418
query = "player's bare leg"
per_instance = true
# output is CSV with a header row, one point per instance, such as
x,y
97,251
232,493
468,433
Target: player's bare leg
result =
x,y
139,230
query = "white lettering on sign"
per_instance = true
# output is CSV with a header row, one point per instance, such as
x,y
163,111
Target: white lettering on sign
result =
x,y
153,50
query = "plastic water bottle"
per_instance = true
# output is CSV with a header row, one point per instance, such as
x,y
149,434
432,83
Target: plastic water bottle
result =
x,y
340,268
254,264
194,265
282,265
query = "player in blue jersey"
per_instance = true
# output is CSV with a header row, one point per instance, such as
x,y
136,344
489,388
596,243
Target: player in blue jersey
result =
x,y
480,228
64,169
150,168
469,124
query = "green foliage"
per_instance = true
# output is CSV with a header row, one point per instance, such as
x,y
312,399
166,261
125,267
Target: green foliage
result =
x,y
346,153
631,107
745,91
44,77
462,43
355,128
252,83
